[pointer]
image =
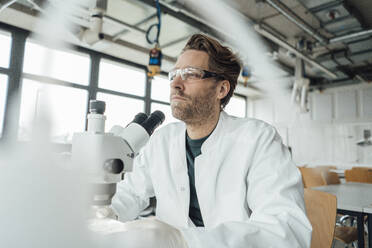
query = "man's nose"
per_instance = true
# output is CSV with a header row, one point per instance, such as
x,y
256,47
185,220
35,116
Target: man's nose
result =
x,y
177,83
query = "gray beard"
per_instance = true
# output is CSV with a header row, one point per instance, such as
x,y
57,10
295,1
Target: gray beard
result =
x,y
198,111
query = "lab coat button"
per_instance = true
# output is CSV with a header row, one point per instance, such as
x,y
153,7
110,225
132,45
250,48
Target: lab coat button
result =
x,y
182,188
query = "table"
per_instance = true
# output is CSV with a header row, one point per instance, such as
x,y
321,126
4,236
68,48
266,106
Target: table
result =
x,y
354,199
340,172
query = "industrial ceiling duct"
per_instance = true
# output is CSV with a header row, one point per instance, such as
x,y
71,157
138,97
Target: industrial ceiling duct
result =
x,y
6,3
367,139
94,33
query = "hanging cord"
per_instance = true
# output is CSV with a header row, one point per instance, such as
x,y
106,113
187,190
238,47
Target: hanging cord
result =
x,y
157,25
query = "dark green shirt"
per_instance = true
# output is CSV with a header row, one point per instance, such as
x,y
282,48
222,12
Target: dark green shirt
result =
x,y
193,149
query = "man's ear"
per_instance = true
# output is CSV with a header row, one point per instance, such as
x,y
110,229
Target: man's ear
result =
x,y
223,89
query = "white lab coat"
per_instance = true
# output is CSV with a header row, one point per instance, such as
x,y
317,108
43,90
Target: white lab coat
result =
x,y
250,193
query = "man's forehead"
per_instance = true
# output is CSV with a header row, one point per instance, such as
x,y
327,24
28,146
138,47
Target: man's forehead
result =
x,y
192,58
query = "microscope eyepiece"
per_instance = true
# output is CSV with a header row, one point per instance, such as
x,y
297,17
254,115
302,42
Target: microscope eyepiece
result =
x,y
114,166
97,107
140,118
154,120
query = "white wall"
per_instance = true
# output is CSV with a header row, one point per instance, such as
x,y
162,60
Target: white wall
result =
x,y
327,134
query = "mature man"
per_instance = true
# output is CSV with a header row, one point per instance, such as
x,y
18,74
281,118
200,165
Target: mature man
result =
x,y
219,181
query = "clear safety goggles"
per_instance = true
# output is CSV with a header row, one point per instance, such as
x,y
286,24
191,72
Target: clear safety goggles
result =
x,y
191,73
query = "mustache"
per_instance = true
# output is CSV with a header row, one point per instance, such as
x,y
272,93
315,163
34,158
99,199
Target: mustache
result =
x,y
181,94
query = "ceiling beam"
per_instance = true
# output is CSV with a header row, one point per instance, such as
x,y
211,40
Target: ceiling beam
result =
x,y
6,3
294,18
292,49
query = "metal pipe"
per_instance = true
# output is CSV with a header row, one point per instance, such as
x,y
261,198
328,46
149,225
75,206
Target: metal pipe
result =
x,y
350,36
36,6
293,17
326,6
5,4
291,48
124,24
124,31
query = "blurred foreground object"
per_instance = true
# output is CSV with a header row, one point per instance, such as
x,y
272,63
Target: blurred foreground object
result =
x,y
105,157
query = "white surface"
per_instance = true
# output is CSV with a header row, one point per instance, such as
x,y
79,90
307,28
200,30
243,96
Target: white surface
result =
x,y
340,172
350,196
264,110
322,108
346,105
367,103
368,209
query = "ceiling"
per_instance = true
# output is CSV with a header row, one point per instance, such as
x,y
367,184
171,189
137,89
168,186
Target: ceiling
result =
x,y
331,59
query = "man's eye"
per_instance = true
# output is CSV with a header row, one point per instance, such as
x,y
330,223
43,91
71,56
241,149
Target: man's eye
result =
x,y
193,75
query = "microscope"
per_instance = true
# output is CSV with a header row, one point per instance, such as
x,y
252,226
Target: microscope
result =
x,y
105,157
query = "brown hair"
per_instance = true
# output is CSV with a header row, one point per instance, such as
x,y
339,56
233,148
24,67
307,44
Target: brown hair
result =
x,y
221,60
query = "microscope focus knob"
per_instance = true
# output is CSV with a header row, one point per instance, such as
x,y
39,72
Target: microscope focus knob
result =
x,y
114,166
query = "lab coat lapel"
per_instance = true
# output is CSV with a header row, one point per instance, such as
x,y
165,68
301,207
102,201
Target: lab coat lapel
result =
x,y
206,168
180,176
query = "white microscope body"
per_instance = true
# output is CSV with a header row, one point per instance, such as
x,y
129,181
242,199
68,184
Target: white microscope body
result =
x,y
105,157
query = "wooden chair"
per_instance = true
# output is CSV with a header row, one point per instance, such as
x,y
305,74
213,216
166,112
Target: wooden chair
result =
x,y
312,177
361,168
360,175
330,177
321,210
345,234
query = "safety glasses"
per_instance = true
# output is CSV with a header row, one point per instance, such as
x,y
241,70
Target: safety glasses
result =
x,y
191,73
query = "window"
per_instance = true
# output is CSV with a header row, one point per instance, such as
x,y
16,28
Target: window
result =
x,y
166,109
67,66
236,106
118,77
120,110
66,109
5,45
3,90
160,89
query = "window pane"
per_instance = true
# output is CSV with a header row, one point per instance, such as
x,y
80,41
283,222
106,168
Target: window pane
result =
x,y
166,109
67,109
120,110
236,106
62,65
118,77
5,44
3,90
160,89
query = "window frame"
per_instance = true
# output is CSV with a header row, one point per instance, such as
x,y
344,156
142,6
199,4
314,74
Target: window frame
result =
x,y
16,74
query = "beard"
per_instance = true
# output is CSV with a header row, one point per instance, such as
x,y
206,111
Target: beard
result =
x,y
196,108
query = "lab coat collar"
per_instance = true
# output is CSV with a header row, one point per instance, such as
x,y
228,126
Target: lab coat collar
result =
x,y
210,143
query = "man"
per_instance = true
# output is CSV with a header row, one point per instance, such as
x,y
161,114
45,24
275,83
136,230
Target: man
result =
x,y
219,181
